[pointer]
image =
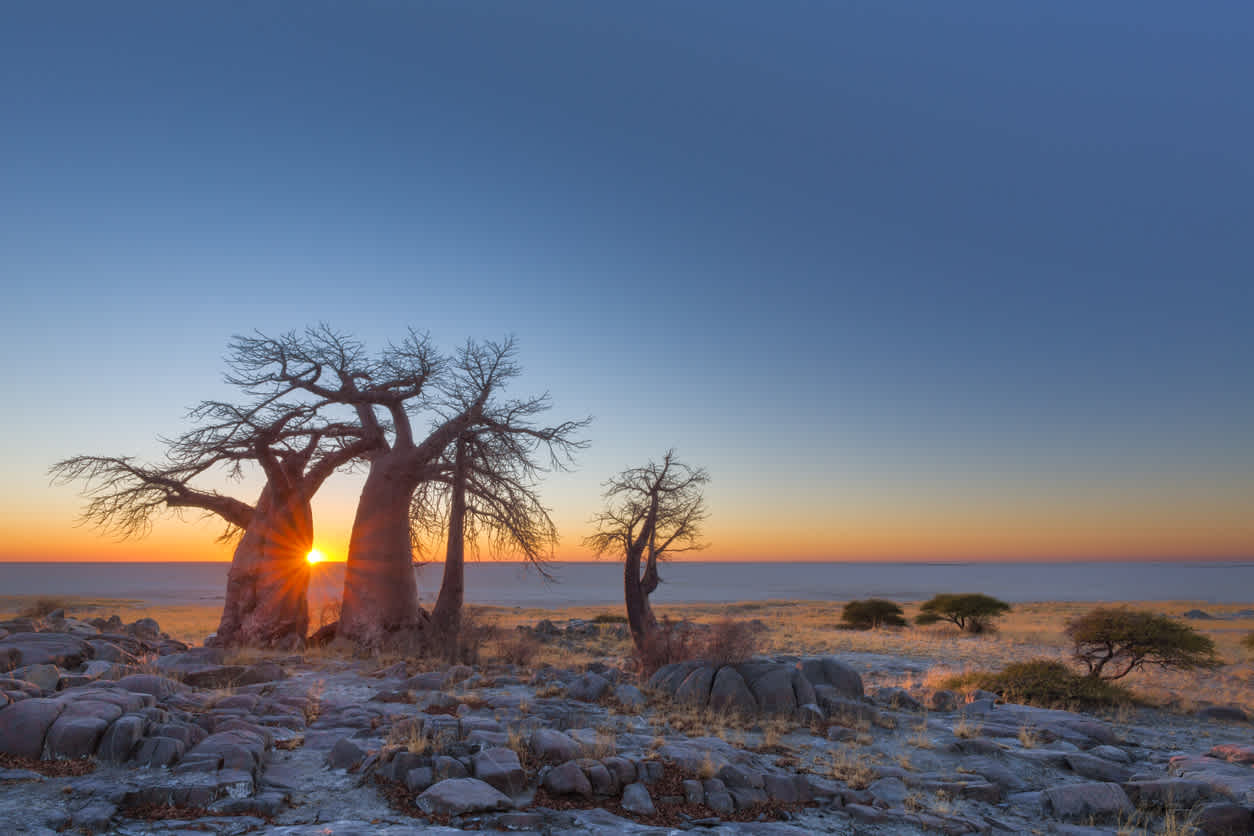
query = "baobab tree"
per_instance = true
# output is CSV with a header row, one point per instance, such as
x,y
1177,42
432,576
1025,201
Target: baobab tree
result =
x,y
487,496
651,512
407,382
267,584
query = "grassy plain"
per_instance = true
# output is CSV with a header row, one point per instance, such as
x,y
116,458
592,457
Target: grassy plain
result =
x,y
1029,631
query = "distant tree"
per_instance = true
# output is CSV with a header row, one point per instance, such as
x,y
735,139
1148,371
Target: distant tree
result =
x,y
870,614
294,448
651,513
972,612
1128,640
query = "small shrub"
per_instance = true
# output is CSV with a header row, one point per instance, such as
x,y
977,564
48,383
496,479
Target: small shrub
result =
x,y
725,642
729,642
518,648
461,643
1248,643
673,641
42,607
1128,640
870,614
1043,682
609,618
972,611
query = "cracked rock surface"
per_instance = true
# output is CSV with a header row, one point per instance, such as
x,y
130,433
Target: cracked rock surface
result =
x,y
196,741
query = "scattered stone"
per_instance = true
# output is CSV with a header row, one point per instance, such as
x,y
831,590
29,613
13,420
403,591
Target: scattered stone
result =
x,y
156,752
553,746
837,674
1097,769
899,698
500,768
74,737
145,628
24,724
146,683
730,694
891,792
636,799
458,796
60,649
1168,793
1085,801
345,754
446,767
47,677
121,738
94,817
1111,753
568,779
1223,818
589,687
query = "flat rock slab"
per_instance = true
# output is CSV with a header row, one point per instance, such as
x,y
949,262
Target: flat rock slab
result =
x,y
500,768
25,724
1085,801
1168,793
457,796
60,649
1230,779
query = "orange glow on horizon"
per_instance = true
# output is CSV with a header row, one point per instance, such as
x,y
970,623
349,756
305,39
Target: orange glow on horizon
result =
x,y
871,532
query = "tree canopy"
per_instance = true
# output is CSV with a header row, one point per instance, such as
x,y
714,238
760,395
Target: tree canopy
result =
x,y
870,614
971,611
1111,642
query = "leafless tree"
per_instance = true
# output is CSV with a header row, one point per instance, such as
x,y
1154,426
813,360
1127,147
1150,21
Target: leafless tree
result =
x,y
295,449
407,382
651,512
487,495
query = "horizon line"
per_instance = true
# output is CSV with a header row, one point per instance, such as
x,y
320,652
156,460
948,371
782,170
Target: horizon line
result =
x,y
816,560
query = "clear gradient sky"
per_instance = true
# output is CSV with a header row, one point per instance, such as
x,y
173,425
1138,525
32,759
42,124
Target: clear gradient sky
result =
x,y
912,280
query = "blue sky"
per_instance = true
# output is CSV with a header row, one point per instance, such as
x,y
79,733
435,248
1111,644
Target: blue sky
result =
x,y
891,272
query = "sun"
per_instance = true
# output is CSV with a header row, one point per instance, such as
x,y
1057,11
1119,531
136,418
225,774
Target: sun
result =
x,y
315,556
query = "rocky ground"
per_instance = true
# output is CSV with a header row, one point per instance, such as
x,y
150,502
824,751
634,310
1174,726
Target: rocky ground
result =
x,y
113,728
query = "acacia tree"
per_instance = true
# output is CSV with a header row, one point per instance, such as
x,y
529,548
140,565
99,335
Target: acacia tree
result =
x,y
651,512
871,614
1128,640
408,381
266,600
972,611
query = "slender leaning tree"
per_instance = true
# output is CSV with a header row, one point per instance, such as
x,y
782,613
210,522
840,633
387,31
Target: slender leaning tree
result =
x,y
488,496
651,512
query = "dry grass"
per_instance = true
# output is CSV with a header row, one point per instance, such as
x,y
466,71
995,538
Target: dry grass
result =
x,y
967,729
1033,630
853,769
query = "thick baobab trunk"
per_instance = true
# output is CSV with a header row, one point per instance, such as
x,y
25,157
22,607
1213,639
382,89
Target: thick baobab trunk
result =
x,y
447,615
640,618
380,590
267,586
